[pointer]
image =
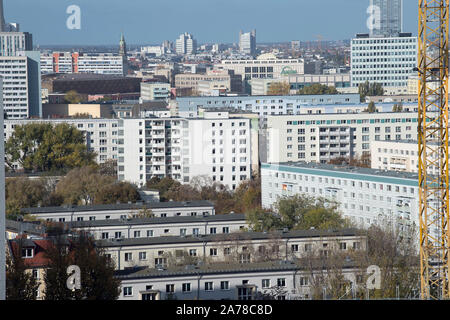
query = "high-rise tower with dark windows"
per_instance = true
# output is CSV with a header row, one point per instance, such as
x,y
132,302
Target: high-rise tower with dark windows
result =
x,y
390,18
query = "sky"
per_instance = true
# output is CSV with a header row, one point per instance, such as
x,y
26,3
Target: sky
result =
x,y
210,21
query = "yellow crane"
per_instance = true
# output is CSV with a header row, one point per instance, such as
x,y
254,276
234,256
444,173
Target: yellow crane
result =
x,y
433,148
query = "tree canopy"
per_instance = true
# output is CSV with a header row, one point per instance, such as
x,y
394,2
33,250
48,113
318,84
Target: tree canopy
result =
x,y
370,89
44,147
318,88
279,89
72,97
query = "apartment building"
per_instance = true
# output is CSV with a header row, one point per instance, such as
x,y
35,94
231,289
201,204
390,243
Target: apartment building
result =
x,y
215,146
281,280
12,43
101,134
266,105
321,137
21,85
400,155
366,196
238,247
389,61
162,226
71,213
76,62
151,91
230,81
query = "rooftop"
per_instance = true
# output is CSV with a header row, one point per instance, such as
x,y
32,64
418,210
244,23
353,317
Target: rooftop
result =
x,y
344,169
121,206
236,236
157,220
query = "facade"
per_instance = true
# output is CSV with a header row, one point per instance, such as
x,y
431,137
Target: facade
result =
x,y
21,85
12,43
389,60
279,280
247,42
232,82
121,211
266,66
366,196
391,16
162,227
101,134
215,146
265,105
97,63
186,44
323,136
238,247
299,81
400,155
155,91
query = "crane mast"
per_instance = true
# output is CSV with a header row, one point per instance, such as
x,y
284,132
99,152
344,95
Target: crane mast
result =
x,y
433,148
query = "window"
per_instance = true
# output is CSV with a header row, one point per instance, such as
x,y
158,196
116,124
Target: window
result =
x,y
226,230
226,251
27,253
294,248
304,281
212,230
170,288
265,283
224,285
105,235
142,255
213,252
127,291
186,287
281,282
137,234
128,256
193,252
209,286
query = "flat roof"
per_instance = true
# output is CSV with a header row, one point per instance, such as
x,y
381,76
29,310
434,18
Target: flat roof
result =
x,y
343,169
157,220
235,236
121,206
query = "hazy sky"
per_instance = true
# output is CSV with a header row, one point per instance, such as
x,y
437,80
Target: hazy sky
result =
x,y
152,21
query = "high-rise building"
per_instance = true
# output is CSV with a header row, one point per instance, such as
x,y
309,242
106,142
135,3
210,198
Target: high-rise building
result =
x,y
247,42
390,19
13,42
186,44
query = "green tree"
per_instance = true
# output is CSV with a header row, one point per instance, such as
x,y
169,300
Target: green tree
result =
x,y
162,185
20,283
72,97
370,89
398,107
44,147
371,108
317,88
279,89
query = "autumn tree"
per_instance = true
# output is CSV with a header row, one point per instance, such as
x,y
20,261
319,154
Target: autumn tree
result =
x,y
278,89
97,270
72,97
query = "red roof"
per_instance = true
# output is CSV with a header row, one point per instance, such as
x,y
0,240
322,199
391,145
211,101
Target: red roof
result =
x,y
38,259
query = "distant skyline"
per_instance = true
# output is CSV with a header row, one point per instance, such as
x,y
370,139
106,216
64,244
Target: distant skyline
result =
x,y
210,21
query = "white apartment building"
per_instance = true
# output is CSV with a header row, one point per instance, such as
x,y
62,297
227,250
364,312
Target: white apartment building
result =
x,y
280,280
67,62
162,227
366,196
101,134
154,91
12,43
265,66
21,85
240,247
321,137
186,44
400,155
71,213
215,146
389,61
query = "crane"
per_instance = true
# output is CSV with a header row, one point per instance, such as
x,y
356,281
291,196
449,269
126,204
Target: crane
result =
x,y
433,148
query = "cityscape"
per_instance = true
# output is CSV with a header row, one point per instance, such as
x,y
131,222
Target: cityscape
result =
x,y
310,169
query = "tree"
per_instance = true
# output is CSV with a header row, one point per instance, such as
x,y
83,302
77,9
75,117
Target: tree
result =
x,y
20,283
86,186
299,212
72,97
371,108
279,89
162,185
370,89
142,213
97,270
317,88
108,168
397,107
44,147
